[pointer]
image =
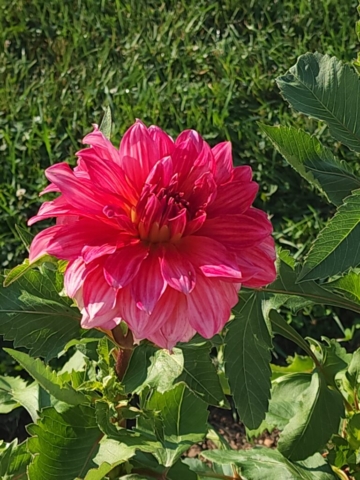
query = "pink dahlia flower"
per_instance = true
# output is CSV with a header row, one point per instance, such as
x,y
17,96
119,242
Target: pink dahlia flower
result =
x,y
158,233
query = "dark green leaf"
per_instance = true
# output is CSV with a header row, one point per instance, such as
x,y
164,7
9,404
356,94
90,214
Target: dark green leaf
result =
x,y
261,463
63,445
314,162
317,418
324,88
247,362
48,379
354,368
35,316
337,246
14,459
205,472
184,418
137,370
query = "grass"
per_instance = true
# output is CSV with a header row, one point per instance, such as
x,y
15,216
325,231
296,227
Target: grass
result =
x,y
179,64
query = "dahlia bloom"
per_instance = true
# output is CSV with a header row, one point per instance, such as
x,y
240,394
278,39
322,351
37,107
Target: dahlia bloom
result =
x,y
158,233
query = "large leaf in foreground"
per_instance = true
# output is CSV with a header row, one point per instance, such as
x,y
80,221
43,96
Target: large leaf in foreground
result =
x,y
317,418
337,247
63,445
324,88
247,362
314,162
34,315
182,420
261,463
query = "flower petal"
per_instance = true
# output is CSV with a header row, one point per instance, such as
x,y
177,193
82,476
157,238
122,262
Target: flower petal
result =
x,y
164,142
178,272
122,266
224,162
98,296
42,242
257,264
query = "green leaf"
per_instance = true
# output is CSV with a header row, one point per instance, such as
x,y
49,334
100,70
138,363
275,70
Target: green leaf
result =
x,y
261,463
317,418
64,444
337,247
48,379
184,418
286,286
348,285
35,316
296,364
106,123
206,472
162,370
15,392
354,368
14,459
314,162
324,88
17,272
247,362
353,431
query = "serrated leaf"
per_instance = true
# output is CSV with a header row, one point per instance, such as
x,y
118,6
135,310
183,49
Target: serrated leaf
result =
x,y
25,236
48,379
162,370
184,418
64,444
15,392
296,364
348,285
324,88
354,368
317,418
36,317
17,272
353,431
14,460
261,463
247,362
314,162
337,247
206,472
106,123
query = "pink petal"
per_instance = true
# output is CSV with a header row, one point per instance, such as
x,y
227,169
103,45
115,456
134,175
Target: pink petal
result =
x,y
107,321
238,231
137,143
164,142
75,274
224,163
57,207
242,174
178,272
210,257
42,242
257,264
122,266
233,198
98,296
177,327
148,285
210,305
101,145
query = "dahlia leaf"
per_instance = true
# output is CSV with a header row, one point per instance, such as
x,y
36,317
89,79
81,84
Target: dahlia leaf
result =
x,y
260,463
317,418
48,379
64,444
183,417
159,369
337,246
15,392
15,273
14,459
314,162
296,295
348,285
106,123
324,88
206,472
34,315
247,362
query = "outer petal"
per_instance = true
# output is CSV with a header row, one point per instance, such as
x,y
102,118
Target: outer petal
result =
x,y
209,305
257,264
98,296
42,242
224,162
177,327
56,208
121,267
238,231
75,274
177,270
107,321
233,198
101,145
148,285
164,142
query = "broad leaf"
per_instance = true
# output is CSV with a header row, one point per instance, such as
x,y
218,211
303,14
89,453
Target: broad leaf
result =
x,y
348,285
206,472
247,362
314,162
317,418
183,418
35,316
162,370
337,246
296,364
324,88
354,368
14,460
15,392
48,379
63,445
261,463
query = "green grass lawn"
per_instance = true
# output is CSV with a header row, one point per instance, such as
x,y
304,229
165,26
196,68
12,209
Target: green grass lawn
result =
x,y
180,64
